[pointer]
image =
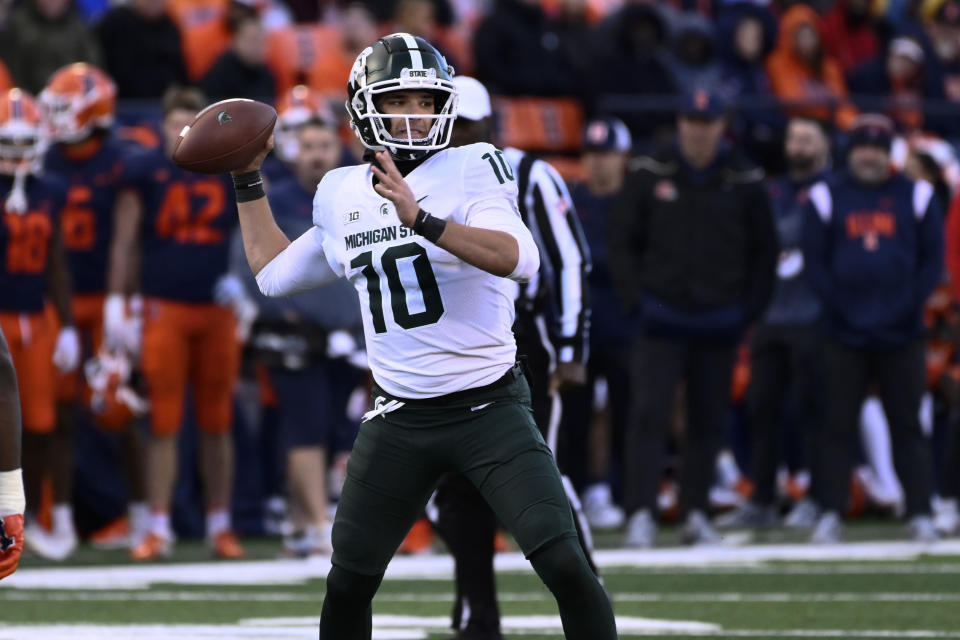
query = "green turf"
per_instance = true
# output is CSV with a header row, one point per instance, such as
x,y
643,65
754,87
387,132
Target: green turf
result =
x,y
797,596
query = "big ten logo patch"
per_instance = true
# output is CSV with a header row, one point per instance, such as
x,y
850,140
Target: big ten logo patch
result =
x,y
870,226
351,216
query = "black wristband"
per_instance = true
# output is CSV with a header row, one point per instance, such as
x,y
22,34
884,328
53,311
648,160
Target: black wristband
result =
x,y
248,186
428,226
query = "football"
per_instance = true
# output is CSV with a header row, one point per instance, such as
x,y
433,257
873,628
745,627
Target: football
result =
x,y
225,136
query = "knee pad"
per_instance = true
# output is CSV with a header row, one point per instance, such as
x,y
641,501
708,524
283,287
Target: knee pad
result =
x,y
351,590
562,567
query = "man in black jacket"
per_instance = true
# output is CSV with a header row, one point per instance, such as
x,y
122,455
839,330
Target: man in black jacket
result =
x,y
241,72
693,250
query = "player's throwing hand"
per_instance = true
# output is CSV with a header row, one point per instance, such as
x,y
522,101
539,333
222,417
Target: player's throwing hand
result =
x,y
394,188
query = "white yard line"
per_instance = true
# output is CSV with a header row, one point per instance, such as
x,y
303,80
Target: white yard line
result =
x,y
620,596
440,567
417,628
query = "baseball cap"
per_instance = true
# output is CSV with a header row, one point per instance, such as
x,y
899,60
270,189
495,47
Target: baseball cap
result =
x,y
908,48
871,129
473,102
606,134
702,103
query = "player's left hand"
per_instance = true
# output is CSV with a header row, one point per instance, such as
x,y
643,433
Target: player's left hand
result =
x,y
66,355
11,543
568,375
394,188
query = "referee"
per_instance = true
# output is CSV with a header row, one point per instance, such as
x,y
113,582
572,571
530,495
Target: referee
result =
x,y
551,328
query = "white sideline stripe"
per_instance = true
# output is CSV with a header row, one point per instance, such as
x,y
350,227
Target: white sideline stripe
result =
x,y
416,628
509,623
440,567
221,596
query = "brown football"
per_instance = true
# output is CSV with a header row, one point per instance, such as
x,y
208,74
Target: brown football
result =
x,y
225,136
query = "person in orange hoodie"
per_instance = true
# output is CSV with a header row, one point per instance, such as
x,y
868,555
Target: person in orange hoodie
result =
x,y
800,71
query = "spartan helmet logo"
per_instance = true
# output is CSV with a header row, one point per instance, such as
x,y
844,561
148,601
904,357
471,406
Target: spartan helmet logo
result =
x,y
223,118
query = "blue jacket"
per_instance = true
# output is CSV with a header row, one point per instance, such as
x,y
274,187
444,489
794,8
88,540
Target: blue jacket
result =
x,y
795,301
874,253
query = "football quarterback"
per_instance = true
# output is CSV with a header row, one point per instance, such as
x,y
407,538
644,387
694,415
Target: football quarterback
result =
x,y
431,239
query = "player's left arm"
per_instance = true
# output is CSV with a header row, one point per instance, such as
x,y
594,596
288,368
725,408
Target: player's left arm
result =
x,y
66,354
507,251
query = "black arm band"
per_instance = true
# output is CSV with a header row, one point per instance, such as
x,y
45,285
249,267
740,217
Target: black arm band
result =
x,y
248,186
428,226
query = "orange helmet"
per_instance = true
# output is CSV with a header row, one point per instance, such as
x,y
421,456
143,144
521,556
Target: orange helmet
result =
x,y
22,135
112,397
78,98
294,108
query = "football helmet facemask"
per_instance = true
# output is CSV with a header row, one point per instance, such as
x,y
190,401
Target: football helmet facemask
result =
x,y
401,62
22,133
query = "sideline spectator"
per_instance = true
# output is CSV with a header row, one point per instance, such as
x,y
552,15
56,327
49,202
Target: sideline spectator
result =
x,y
606,149
746,36
518,51
899,83
693,249
42,36
800,71
852,35
693,58
786,346
942,24
629,60
241,71
873,244
142,49
302,339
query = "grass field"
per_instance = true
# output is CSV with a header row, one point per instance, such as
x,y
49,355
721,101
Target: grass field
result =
x,y
867,589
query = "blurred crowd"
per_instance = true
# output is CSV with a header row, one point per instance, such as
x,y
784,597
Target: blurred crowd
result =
x,y
766,190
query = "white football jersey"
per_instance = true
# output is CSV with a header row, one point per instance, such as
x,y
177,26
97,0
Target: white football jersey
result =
x,y
433,323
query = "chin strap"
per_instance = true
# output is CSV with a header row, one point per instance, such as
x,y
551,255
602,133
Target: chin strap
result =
x,y
17,200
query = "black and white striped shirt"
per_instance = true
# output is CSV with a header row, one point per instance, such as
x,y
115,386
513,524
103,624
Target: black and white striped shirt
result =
x,y
548,211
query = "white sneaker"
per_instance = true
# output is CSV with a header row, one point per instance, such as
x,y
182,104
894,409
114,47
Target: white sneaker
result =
x,y
922,530
139,519
321,539
946,516
641,531
600,510
829,529
803,515
51,545
697,531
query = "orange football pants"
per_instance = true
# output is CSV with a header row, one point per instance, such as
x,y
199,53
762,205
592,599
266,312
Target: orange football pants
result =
x,y
87,312
32,338
195,344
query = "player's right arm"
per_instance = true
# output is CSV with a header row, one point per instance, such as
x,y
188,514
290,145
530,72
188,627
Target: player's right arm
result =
x,y
280,266
12,500
123,263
